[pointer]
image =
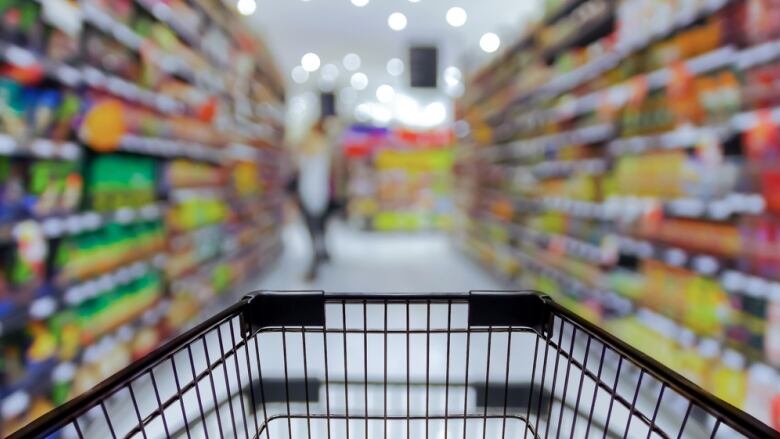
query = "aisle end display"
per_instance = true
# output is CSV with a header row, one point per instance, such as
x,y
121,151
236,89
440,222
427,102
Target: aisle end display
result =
x,y
399,180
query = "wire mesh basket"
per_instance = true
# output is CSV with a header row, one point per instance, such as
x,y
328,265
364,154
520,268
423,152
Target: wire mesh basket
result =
x,y
320,365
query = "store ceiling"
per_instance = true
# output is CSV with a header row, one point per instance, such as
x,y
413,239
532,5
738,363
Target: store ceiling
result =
x,y
334,28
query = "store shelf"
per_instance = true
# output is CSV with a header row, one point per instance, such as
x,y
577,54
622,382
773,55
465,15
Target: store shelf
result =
x,y
76,223
97,282
567,81
204,269
169,63
21,57
681,137
618,95
161,11
39,148
45,306
178,195
703,257
168,148
563,244
758,54
584,288
563,168
63,284
688,135
108,24
714,209
572,285
590,31
561,11
537,145
676,23
709,265
580,75
619,306
39,379
627,209
80,292
131,92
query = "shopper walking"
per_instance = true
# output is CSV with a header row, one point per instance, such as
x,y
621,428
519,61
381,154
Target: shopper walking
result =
x,y
315,191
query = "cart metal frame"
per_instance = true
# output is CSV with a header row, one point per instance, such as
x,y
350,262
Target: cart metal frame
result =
x,y
568,352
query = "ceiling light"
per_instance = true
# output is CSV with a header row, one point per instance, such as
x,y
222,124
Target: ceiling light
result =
x,y
385,93
299,75
381,115
456,16
351,62
396,21
452,76
414,1
359,81
434,114
246,7
489,42
359,3
363,112
407,110
456,90
329,72
395,67
310,62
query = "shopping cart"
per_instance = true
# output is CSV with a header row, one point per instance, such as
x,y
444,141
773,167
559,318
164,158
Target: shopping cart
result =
x,y
319,365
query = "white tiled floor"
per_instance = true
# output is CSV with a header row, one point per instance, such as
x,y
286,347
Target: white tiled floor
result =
x,y
377,262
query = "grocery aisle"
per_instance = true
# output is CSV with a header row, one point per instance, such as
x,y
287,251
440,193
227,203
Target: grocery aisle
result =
x,y
368,261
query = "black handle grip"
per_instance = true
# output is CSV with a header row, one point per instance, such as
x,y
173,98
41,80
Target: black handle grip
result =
x,y
307,308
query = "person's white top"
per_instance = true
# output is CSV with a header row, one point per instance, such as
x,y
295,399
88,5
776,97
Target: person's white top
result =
x,y
314,177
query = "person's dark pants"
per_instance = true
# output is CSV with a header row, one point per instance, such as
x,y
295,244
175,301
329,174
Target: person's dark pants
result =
x,y
316,224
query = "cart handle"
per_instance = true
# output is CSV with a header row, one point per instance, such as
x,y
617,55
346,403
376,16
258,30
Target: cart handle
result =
x,y
527,309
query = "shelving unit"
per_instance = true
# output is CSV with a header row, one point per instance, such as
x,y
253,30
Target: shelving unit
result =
x,y
630,175
126,150
399,180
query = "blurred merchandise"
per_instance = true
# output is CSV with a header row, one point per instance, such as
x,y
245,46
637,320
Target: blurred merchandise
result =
x,y
400,180
118,191
629,169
